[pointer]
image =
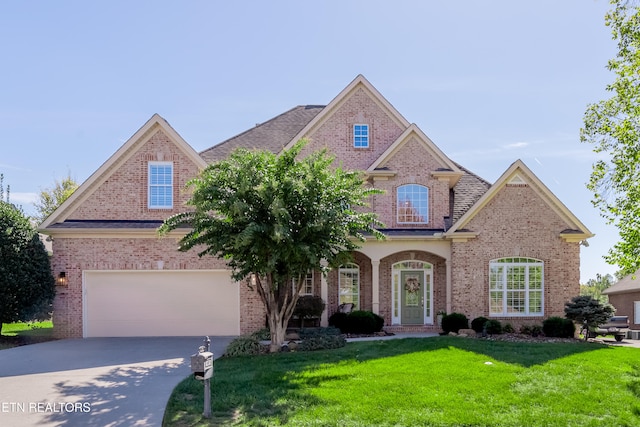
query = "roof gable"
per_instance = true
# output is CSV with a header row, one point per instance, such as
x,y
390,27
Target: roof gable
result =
x,y
358,83
126,151
447,170
519,174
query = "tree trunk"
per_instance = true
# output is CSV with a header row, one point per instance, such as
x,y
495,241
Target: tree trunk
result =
x,y
278,331
279,307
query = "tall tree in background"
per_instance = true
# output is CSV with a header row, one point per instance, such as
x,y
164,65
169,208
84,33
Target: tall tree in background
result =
x,y
2,197
27,286
273,218
594,287
613,126
51,198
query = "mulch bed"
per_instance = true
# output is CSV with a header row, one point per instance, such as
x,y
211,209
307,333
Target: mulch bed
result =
x,y
526,338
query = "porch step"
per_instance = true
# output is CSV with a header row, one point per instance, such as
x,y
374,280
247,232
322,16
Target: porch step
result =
x,y
399,329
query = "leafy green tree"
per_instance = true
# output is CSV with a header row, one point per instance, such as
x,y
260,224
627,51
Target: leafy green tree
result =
x,y
613,126
27,286
274,218
52,197
594,287
2,196
585,308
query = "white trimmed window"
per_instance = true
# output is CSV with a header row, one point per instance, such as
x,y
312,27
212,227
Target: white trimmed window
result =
x,y
361,136
349,285
412,204
307,286
516,287
160,185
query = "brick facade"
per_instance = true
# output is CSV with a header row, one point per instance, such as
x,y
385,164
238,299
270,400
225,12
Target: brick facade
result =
x,y
75,255
124,194
517,221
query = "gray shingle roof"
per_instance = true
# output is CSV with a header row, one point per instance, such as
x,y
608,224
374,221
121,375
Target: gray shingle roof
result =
x,y
272,135
630,283
467,191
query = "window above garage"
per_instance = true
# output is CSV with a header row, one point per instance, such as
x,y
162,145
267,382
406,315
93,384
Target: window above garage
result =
x,y
160,185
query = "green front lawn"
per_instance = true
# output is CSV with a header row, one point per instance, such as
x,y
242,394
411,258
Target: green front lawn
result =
x,y
440,381
20,333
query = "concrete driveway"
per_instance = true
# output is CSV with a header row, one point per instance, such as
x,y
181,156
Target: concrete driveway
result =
x,y
95,381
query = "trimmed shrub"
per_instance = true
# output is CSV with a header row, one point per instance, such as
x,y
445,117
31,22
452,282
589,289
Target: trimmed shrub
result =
x,y
558,327
454,322
322,342
357,322
493,327
477,324
532,330
508,328
361,322
244,345
339,320
379,322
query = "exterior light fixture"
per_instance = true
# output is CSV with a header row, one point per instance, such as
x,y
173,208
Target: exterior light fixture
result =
x,y
62,279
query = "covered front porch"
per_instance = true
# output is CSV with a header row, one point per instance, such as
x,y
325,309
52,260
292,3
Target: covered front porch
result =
x,y
406,281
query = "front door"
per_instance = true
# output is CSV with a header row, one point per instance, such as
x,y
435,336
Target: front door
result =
x,y
412,297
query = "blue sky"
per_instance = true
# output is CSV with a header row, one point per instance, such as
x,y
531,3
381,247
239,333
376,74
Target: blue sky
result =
x,y
489,82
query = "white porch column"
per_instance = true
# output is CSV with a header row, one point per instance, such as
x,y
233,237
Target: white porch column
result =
x,y
375,285
447,263
324,294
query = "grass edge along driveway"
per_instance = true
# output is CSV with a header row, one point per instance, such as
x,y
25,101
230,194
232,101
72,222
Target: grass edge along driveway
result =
x,y
440,381
22,333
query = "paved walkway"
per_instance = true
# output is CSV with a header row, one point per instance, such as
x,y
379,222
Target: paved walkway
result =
x,y
96,381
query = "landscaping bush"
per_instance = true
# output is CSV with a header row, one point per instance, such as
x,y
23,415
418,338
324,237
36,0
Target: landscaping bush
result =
x,y
338,320
379,322
454,322
585,308
244,345
477,324
307,333
493,327
508,328
322,342
558,327
357,322
361,322
308,307
262,334
532,330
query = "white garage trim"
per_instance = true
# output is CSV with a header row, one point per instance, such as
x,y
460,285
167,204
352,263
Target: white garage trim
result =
x,y
159,303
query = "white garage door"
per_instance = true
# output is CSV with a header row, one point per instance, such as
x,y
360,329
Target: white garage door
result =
x,y
160,303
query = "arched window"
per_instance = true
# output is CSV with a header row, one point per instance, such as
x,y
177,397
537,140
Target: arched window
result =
x,y
349,285
412,202
516,287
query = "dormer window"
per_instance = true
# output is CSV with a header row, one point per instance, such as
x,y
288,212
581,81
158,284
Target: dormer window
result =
x,y
160,185
361,136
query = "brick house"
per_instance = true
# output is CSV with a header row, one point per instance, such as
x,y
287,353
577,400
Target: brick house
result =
x,y
624,295
508,250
